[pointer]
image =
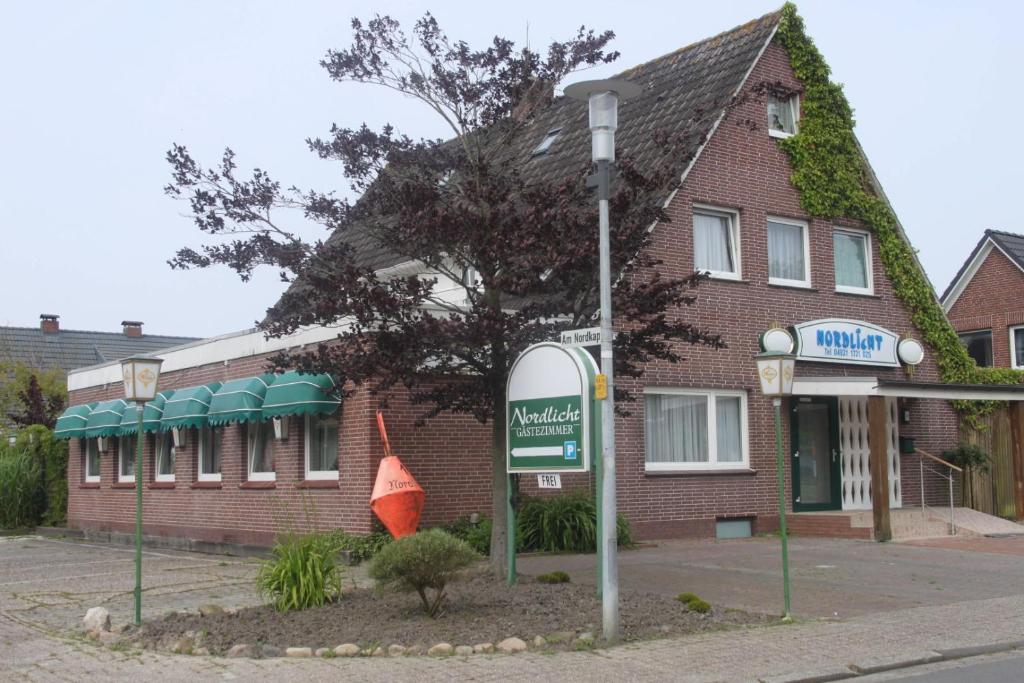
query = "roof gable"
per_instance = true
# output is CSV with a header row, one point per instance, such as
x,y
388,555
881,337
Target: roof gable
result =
x,y
1010,244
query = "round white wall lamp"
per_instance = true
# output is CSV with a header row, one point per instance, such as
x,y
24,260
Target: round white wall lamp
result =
x,y
777,340
910,351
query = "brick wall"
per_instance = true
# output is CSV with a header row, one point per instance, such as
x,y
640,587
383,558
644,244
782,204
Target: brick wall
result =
x,y
992,301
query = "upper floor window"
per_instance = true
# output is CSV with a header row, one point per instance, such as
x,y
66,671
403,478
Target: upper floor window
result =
x,y
164,470
209,453
126,459
92,461
782,115
695,429
787,253
852,252
1017,347
260,447
321,447
716,242
979,346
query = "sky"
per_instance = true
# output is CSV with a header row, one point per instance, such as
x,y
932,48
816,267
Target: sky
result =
x,y
93,94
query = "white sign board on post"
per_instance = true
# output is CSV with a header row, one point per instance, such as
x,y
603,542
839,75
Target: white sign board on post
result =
x,y
590,336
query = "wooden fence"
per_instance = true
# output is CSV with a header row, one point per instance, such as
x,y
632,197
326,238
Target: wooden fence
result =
x,y
992,491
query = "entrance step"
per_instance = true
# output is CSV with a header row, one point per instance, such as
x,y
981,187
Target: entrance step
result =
x,y
829,525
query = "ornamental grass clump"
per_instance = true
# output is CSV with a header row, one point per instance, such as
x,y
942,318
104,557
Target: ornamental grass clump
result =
x,y
565,523
304,571
21,490
425,562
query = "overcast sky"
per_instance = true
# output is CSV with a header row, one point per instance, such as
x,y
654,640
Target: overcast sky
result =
x,y
92,94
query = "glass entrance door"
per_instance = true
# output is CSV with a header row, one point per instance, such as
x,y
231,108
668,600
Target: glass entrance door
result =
x,y
814,434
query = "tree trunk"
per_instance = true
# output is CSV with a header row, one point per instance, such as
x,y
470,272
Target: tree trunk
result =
x,y
499,495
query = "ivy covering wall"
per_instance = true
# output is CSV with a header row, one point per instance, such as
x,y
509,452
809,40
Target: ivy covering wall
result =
x,y
833,180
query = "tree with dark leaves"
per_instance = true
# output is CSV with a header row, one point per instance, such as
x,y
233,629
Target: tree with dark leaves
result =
x,y
37,408
520,255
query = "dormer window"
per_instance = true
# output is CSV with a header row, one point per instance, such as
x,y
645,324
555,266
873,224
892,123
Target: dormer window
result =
x,y
546,143
783,113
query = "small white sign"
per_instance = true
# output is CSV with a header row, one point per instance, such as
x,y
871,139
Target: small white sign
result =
x,y
853,342
549,481
590,336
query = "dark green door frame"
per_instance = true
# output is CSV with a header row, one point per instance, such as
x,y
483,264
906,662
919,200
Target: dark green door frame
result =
x,y
835,479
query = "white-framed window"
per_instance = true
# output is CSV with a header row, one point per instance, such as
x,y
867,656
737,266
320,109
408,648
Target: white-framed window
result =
x,y
788,250
210,454
783,114
979,346
260,447
164,469
852,254
321,447
92,461
695,429
716,242
1017,347
126,459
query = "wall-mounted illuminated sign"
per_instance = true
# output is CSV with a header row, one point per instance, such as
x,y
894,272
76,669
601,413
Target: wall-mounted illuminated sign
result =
x,y
852,342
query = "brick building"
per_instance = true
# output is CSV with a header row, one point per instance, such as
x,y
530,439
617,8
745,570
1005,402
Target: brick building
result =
x,y
697,450
984,301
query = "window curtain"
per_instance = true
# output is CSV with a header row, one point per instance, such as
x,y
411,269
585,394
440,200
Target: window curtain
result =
x,y
712,243
786,251
126,455
1018,346
165,460
727,415
323,445
676,428
92,455
210,460
261,446
780,114
851,260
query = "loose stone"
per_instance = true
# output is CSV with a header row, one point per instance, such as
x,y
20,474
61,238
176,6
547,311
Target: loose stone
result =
x,y
210,610
379,652
322,651
511,645
463,650
270,651
241,650
298,652
347,650
97,619
440,650
416,649
483,648
540,641
396,650
182,646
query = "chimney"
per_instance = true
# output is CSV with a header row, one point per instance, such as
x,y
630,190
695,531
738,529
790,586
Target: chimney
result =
x,y
49,323
132,328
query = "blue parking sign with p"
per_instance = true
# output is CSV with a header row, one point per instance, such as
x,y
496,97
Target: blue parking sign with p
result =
x,y
569,450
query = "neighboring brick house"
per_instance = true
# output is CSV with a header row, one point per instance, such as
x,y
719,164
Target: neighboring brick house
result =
x,y
985,300
697,450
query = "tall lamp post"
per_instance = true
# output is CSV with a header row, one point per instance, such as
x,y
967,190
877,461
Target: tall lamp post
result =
x,y
775,367
603,97
140,379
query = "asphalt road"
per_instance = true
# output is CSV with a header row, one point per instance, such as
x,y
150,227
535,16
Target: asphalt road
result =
x,y
1007,667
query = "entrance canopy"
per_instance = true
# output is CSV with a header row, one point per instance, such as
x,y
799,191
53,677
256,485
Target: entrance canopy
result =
x,y
872,386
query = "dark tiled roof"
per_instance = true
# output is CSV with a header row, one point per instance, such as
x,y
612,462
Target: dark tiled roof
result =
x,y
1009,243
686,88
70,349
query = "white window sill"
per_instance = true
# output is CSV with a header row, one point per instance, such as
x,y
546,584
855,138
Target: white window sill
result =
x,y
715,275
209,477
164,478
772,132
855,290
325,475
94,480
121,479
800,284
263,476
702,468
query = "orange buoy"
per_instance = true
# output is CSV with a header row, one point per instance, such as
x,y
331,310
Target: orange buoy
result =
x,y
397,499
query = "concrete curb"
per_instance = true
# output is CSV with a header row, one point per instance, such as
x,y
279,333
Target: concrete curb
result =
x,y
856,670
156,542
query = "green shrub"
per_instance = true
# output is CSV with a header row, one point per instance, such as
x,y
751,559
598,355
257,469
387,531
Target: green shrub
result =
x,y
553,577
362,548
694,603
478,535
51,455
303,572
21,491
565,523
426,561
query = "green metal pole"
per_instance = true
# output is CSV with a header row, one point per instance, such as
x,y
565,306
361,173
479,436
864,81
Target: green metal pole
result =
x,y
779,477
139,407
510,532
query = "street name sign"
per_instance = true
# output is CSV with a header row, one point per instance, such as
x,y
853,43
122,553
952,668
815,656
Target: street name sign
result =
x,y
590,336
549,410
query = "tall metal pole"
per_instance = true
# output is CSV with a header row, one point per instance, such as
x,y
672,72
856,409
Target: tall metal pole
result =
x,y
609,540
779,478
139,407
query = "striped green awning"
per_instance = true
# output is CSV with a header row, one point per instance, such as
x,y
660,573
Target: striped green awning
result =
x,y
188,407
151,414
73,421
105,419
240,400
294,393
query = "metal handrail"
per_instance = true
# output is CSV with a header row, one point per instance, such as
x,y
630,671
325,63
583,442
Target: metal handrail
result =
x,y
948,477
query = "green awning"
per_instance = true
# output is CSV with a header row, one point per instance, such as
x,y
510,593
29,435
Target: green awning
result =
x,y
73,421
188,407
240,400
151,414
294,393
105,419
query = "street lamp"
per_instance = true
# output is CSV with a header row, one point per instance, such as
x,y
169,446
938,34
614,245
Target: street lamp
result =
x,y
775,368
603,97
141,375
